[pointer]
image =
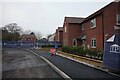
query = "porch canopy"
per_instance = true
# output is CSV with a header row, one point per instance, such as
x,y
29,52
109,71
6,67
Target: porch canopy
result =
x,y
82,37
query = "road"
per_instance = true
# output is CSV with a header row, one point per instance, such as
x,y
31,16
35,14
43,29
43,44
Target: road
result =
x,y
74,69
22,64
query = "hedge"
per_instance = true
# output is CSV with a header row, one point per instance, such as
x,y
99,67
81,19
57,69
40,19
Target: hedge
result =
x,y
95,54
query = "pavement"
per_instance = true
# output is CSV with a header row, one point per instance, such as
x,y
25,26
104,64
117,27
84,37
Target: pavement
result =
x,y
74,69
18,63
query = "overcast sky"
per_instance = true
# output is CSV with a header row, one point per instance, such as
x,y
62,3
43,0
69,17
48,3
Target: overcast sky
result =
x,y
43,16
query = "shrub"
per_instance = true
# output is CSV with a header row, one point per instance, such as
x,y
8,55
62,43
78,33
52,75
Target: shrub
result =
x,y
95,54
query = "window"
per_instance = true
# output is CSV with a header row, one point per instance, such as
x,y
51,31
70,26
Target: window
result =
x,y
93,23
83,26
93,43
74,42
118,19
65,29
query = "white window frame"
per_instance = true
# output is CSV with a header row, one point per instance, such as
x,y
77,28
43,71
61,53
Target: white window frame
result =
x,y
65,29
93,43
83,26
74,40
93,23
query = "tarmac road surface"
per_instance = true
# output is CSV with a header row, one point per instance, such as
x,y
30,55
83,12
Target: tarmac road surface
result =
x,y
22,64
74,69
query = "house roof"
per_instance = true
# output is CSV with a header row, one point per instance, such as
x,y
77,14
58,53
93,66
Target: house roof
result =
x,y
32,33
28,36
74,19
60,28
82,37
97,12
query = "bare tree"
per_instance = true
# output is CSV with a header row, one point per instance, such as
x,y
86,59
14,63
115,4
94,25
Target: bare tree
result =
x,y
27,32
38,35
11,32
13,28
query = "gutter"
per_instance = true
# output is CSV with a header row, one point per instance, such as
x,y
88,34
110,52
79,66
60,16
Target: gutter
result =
x,y
103,31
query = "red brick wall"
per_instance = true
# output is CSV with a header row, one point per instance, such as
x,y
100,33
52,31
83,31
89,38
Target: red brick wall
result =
x,y
28,37
74,32
110,19
56,36
105,23
65,34
94,32
61,36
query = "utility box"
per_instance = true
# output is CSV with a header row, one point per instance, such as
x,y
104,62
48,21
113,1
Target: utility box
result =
x,y
111,57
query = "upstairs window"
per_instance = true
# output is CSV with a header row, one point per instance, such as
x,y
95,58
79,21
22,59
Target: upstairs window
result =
x,y
93,43
83,26
118,19
93,23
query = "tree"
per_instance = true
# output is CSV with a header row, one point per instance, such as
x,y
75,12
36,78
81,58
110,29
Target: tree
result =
x,y
5,34
38,35
27,32
11,32
13,28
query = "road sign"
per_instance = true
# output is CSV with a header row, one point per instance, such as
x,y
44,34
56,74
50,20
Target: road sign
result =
x,y
111,57
56,45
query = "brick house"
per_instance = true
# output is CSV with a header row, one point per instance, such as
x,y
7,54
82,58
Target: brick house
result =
x,y
99,26
71,30
59,35
28,37
94,30
56,35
